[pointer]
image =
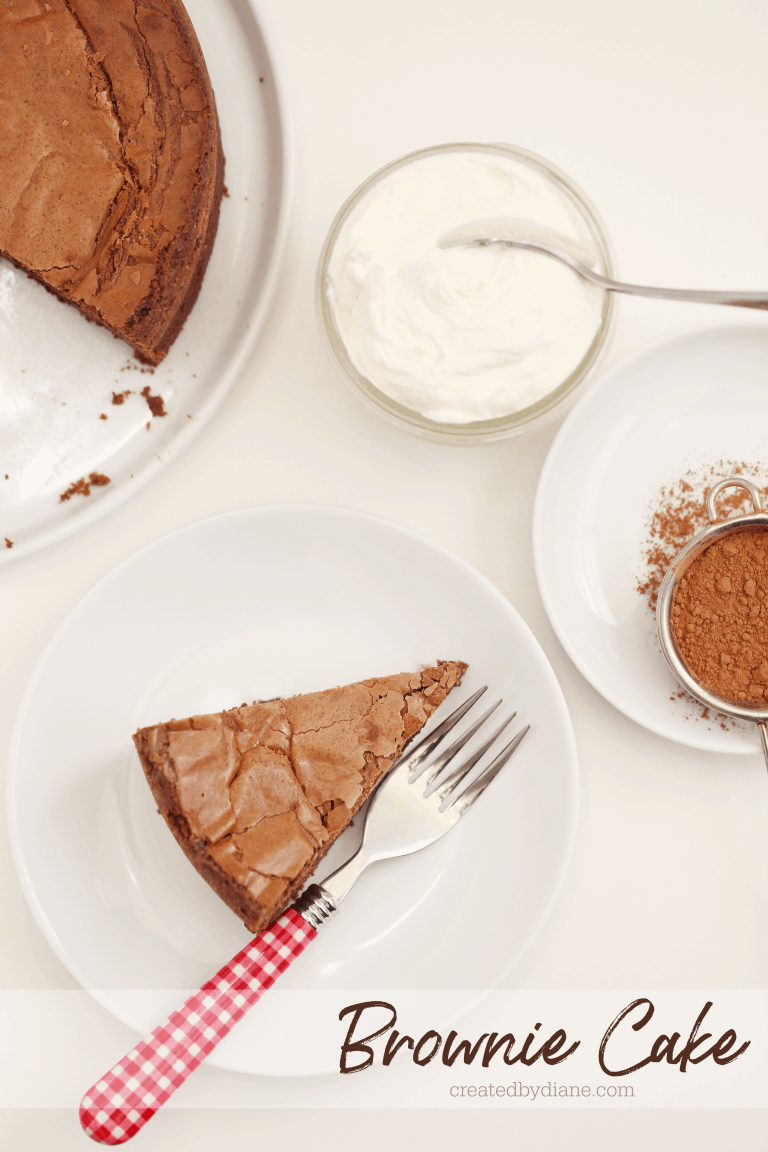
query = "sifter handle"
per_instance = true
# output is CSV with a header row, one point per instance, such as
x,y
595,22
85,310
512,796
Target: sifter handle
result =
x,y
763,726
732,482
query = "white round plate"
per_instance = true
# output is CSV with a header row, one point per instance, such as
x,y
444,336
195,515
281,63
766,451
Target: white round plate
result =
x,y
249,605
58,372
680,405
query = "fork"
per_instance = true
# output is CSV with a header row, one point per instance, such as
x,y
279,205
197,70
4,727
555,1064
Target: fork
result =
x,y
400,819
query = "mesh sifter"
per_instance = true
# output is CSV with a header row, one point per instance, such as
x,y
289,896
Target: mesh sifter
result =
x,y
756,713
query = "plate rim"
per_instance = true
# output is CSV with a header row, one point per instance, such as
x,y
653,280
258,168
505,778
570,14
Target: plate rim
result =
x,y
100,995
688,737
257,319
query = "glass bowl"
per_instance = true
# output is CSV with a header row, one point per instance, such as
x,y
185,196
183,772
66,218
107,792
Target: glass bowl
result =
x,y
558,398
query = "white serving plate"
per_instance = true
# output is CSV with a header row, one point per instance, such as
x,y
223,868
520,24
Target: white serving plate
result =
x,y
58,371
680,405
248,605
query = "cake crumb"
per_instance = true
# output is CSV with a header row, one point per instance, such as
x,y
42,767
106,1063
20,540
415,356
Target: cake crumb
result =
x,y
82,487
8,543
156,405
119,397
102,416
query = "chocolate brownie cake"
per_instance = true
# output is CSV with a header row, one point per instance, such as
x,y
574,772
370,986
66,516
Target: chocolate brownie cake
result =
x,y
111,169
256,796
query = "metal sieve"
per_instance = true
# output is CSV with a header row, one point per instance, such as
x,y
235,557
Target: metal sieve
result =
x,y
738,709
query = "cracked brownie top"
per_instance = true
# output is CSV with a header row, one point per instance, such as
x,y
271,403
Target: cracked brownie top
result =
x,y
110,161
262,790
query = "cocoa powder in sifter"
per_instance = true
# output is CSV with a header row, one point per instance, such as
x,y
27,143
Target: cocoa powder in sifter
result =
x,y
678,511
720,616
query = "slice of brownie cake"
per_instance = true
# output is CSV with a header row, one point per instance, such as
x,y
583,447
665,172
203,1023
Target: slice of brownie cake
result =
x,y
255,796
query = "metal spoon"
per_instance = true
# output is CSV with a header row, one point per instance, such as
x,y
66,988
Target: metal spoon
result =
x,y
527,234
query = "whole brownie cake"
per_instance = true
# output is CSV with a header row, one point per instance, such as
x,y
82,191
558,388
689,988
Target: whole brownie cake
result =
x,y
255,796
111,169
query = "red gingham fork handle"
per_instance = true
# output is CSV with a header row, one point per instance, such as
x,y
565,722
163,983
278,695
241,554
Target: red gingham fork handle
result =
x,y
116,1108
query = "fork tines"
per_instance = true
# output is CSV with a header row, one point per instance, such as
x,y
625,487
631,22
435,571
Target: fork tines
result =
x,y
466,798
416,761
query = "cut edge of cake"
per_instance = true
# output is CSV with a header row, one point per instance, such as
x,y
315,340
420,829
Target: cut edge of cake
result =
x,y
145,268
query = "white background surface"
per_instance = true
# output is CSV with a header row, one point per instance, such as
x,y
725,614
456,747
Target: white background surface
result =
x,y
658,111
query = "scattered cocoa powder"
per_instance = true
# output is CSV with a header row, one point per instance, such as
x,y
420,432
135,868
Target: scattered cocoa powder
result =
x,y
720,616
82,487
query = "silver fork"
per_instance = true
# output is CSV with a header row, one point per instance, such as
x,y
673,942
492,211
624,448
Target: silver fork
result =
x,y
401,818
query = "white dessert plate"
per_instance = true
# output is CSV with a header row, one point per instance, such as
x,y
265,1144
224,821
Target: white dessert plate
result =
x,y
58,372
248,605
677,408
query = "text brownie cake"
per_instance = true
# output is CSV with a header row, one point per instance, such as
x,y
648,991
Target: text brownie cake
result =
x,y
111,169
255,796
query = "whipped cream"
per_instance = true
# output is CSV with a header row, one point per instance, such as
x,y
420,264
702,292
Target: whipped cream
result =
x,y
461,334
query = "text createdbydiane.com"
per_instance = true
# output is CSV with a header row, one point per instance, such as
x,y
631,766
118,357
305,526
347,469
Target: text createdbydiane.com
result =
x,y
548,1091
357,1053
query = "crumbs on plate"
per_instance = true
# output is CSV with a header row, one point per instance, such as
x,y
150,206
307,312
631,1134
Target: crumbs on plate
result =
x,y
82,487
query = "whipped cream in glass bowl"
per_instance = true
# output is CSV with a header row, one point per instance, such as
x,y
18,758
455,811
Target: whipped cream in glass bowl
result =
x,y
466,344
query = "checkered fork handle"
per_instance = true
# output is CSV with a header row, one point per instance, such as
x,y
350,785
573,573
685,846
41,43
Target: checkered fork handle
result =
x,y
121,1103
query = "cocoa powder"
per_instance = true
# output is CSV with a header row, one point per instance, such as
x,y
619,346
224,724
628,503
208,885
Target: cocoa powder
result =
x,y
720,616
678,511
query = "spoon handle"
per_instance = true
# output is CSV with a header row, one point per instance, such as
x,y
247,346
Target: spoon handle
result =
x,y
491,232
694,295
